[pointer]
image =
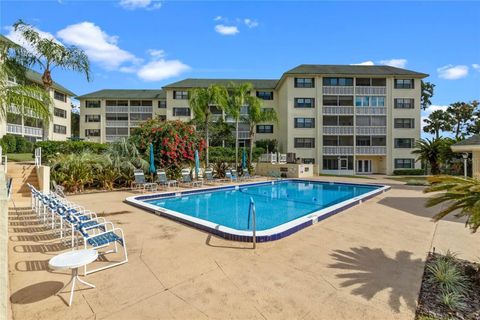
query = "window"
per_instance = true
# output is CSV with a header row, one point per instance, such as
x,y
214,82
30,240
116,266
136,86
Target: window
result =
x,y
378,121
265,95
379,141
92,103
338,101
115,103
338,81
59,129
138,103
404,103
377,101
140,116
304,142
379,82
181,112
345,120
404,163
180,95
308,160
330,163
367,82
162,104
404,83
403,143
330,120
59,96
361,101
362,82
117,131
346,141
92,118
60,113
404,123
363,141
304,103
116,116
304,83
264,128
304,123
330,140
162,118
372,101
92,132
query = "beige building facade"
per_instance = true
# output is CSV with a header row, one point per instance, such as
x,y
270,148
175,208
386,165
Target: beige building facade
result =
x,y
342,119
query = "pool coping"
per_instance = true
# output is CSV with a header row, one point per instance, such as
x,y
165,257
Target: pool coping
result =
x,y
271,234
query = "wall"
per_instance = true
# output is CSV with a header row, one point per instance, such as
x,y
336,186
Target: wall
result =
x,y
4,288
43,174
292,170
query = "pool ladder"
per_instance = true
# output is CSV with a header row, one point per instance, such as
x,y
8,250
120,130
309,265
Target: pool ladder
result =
x,y
252,213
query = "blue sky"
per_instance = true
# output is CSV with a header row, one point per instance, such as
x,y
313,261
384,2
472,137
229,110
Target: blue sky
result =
x,y
147,44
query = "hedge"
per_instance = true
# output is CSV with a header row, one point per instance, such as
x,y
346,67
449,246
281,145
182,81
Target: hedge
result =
x,y
228,154
15,144
409,172
52,148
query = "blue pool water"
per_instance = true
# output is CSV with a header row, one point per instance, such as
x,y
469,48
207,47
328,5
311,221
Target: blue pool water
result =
x,y
275,204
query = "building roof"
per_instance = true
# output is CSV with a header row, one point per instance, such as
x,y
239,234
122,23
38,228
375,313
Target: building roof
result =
x,y
125,94
203,83
353,70
472,141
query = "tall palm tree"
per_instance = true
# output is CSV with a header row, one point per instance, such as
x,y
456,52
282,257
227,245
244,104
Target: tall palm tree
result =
x,y
257,115
201,101
437,121
429,151
237,99
27,97
427,90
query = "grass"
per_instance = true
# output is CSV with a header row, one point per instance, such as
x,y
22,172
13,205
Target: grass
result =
x,y
344,176
412,180
17,157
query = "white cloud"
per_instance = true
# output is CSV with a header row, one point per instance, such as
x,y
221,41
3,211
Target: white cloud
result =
x,y
476,66
140,4
399,63
156,53
97,44
226,30
161,69
16,37
364,63
451,72
434,107
250,23
217,18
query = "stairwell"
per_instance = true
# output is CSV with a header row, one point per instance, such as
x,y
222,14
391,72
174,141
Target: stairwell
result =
x,y
22,173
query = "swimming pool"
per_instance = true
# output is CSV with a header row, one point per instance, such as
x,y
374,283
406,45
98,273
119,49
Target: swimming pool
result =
x,y
282,207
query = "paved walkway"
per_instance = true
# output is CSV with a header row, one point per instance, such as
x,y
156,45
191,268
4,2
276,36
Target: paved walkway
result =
x,y
364,263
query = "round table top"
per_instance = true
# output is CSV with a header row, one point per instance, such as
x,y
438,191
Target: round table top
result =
x,y
73,259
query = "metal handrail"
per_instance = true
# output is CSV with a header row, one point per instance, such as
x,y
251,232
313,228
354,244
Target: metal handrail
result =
x,y
252,213
38,157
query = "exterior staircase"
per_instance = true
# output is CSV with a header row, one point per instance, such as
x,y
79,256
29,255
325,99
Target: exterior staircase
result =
x,y
22,173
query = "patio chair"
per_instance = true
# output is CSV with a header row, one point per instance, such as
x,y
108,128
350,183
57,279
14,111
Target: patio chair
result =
x,y
208,176
141,183
187,180
162,179
57,189
230,176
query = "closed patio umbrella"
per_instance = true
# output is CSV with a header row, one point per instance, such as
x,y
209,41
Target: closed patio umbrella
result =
x,y
152,168
244,159
197,163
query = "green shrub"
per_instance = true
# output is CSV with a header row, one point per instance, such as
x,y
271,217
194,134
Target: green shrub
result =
x,y
228,154
408,172
52,148
448,276
453,300
267,144
22,145
4,146
10,143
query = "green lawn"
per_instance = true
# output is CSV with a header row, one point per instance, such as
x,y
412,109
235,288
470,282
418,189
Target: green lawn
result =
x,y
16,157
345,176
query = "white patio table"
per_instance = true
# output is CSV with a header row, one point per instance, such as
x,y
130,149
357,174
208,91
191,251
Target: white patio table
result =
x,y
73,260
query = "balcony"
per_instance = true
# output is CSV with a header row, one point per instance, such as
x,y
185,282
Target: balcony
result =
x,y
29,131
116,123
371,110
371,90
136,123
242,134
114,138
371,130
141,109
338,151
337,111
116,108
373,150
338,130
334,90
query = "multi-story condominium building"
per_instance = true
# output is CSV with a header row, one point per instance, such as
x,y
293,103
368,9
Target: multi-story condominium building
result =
x,y
33,128
344,119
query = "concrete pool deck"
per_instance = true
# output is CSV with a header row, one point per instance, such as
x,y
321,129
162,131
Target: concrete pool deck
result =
x,y
363,263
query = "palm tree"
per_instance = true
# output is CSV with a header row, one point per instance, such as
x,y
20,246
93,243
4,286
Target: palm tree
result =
x,y
461,195
237,99
427,94
462,113
437,121
27,97
201,101
429,151
255,116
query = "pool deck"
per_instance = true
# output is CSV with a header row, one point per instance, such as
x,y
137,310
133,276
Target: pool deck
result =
x,y
363,263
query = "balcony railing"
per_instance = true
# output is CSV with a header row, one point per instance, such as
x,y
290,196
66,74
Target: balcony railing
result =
x,y
338,151
371,130
371,90
371,110
347,90
337,110
341,130
114,138
116,108
29,131
116,123
136,123
141,109
371,150
242,134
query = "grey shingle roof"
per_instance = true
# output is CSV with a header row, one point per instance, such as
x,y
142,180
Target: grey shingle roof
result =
x,y
472,141
353,70
125,94
203,83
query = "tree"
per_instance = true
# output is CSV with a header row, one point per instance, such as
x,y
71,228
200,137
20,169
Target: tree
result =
x,y
236,101
220,132
75,123
429,151
427,94
462,114
437,121
27,97
201,101
474,126
255,116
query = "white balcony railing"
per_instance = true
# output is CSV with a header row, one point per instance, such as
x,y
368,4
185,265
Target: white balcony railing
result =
x,y
136,123
371,110
114,138
116,108
243,134
341,130
371,90
268,157
338,151
14,128
337,110
347,90
371,130
141,109
116,123
371,150
29,131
